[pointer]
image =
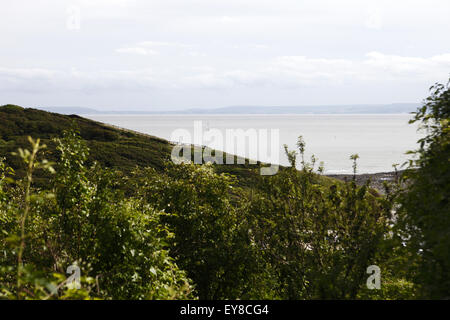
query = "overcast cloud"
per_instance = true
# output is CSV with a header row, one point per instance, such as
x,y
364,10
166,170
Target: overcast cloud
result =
x,y
175,54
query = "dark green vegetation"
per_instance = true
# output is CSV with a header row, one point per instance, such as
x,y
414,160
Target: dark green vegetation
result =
x,y
425,207
110,147
140,227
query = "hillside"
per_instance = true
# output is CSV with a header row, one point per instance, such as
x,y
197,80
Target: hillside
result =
x,y
111,147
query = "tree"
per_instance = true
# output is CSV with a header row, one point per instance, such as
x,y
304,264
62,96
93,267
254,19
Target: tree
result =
x,y
424,215
318,240
211,237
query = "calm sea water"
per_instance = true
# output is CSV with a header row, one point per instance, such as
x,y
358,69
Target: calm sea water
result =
x,y
380,140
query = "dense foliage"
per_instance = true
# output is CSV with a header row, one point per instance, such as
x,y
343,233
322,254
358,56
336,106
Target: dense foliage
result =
x,y
425,207
319,240
159,230
118,243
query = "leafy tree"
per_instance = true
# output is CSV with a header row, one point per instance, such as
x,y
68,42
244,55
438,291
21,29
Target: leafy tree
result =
x,y
318,240
211,236
424,215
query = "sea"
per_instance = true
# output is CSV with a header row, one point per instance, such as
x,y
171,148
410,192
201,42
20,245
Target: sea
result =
x,y
380,140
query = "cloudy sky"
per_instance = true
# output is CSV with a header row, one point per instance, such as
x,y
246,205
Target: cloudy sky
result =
x,y
175,54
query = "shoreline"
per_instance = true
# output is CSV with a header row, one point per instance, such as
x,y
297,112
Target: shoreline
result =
x,y
377,179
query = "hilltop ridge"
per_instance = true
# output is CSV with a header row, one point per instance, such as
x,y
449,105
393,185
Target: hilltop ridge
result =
x,y
112,147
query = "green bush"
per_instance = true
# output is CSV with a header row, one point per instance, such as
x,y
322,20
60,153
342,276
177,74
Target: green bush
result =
x,y
83,220
424,215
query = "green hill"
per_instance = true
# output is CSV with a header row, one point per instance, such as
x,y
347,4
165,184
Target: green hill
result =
x,y
111,147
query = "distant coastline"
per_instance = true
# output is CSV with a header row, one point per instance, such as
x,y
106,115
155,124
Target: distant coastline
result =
x,y
377,180
394,108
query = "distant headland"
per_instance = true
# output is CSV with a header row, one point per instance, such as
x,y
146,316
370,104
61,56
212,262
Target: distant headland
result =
x,y
393,108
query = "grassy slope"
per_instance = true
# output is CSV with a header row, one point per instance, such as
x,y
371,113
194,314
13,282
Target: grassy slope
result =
x,y
111,147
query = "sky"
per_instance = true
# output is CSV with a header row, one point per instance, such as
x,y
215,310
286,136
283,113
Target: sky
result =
x,y
180,54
